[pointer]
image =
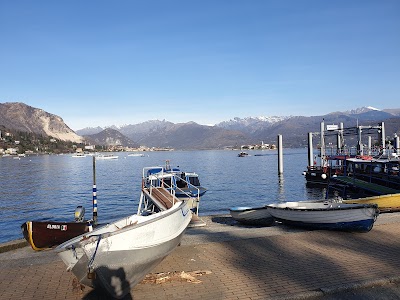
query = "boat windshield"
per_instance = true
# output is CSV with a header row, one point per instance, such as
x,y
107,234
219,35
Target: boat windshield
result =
x,y
194,180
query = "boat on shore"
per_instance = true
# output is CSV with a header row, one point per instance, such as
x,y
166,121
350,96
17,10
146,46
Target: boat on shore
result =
x,y
258,216
386,203
118,255
47,234
326,215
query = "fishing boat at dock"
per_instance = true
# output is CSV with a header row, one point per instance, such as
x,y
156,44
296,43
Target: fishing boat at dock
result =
x,y
334,159
118,255
258,216
326,215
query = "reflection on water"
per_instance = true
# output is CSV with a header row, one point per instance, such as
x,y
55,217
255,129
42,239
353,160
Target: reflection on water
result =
x,y
50,187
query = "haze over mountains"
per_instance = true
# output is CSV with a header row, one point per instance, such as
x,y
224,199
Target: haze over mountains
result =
x,y
190,135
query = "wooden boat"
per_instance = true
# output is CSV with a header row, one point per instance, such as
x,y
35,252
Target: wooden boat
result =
x,y
386,203
47,234
118,256
252,215
326,215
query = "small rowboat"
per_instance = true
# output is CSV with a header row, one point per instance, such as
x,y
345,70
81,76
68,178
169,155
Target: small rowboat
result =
x,y
252,215
326,215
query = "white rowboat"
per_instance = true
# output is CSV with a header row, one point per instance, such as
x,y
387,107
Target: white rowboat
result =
x,y
252,215
118,256
326,215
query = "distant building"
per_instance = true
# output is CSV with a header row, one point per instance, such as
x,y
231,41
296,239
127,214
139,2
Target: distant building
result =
x,y
12,150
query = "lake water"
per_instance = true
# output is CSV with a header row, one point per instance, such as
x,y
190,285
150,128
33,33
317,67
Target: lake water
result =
x,y
49,187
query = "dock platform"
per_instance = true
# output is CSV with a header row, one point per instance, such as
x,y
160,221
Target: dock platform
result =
x,y
370,187
226,260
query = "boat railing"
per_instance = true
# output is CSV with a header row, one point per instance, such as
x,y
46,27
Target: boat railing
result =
x,y
171,188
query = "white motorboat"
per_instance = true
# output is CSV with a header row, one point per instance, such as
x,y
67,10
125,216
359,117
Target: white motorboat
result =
x,y
117,256
107,156
136,154
185,185
252,215
326,215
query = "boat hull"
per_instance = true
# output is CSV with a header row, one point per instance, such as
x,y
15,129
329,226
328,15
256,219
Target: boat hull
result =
x,y
258,216
118,259
47,234
386,203
330,216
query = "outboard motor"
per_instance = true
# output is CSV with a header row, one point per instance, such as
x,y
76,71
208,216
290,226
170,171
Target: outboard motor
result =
x,y
79,214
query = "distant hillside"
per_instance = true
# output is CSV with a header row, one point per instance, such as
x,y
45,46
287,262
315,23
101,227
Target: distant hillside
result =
x,y
184,135
22,117
165,134
110,137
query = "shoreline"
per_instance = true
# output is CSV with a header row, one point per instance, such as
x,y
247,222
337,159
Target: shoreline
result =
x,y
236,261
220,228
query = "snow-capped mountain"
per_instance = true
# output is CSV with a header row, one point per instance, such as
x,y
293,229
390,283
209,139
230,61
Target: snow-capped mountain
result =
x,y
251,124
361,110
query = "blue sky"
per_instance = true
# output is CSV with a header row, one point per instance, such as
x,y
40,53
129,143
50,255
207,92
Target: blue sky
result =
x,y
102,63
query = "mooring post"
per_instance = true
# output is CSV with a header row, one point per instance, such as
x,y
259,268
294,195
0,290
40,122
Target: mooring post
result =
x,y
310,150
280,155
369,145
94,192
383,138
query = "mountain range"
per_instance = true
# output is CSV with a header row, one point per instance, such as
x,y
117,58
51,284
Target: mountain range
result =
x,y
190,135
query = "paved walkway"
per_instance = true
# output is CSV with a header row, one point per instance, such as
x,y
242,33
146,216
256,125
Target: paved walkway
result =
x,y
227,261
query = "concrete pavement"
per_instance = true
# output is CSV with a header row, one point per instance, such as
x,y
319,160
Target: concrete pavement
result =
x,y
225,260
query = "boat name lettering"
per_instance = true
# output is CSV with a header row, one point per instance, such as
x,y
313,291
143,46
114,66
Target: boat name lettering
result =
x,y
53,226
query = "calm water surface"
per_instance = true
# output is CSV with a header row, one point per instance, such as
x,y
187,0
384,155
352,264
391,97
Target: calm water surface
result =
x,y
49,187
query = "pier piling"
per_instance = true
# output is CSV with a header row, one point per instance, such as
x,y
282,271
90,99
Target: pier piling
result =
x,y
280,155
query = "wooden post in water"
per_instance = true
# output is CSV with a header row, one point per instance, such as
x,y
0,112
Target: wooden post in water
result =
x,y
94,192
280,155
310,150
322,128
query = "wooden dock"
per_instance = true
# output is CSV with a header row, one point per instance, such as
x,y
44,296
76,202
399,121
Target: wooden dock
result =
x,y
369,187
